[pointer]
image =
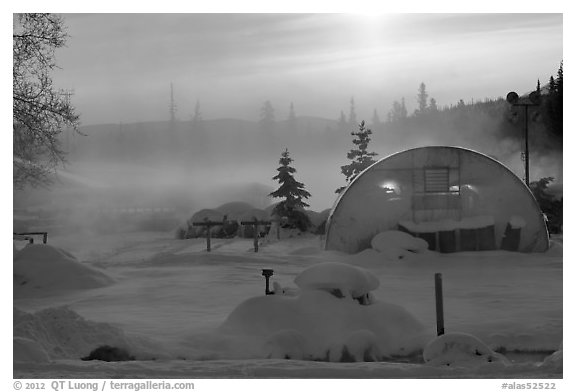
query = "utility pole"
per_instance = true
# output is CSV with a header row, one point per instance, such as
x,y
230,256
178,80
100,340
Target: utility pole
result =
x,y
532,100
172,106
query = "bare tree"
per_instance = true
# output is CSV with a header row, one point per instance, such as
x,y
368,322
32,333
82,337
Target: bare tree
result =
x,y
40,112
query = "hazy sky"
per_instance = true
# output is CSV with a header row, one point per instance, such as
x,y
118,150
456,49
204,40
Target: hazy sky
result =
x,y
121,65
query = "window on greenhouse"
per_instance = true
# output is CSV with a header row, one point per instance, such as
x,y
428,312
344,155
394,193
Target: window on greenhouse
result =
x,y
436,180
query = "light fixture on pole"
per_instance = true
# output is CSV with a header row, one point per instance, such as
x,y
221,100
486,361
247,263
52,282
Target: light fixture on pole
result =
x,y
532,100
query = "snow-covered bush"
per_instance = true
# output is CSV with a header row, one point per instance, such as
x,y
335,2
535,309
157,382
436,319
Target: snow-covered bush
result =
x,y
460,349
200,216
333,317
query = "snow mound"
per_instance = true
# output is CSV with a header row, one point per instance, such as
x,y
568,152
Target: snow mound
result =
x,y
351,281
361,346
460,349
397,245
286,344
46,268
398,239
555,360
317,325
28,350
61,333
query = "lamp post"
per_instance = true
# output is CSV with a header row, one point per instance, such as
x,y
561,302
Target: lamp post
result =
x,y
532,100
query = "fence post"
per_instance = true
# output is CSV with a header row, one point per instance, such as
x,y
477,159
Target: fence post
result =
x,y
439,304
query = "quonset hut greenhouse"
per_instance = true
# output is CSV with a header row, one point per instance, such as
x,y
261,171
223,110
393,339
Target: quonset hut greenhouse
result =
x,y
454,198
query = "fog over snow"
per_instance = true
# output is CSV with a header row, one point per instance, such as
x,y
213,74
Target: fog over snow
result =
x,y
122,266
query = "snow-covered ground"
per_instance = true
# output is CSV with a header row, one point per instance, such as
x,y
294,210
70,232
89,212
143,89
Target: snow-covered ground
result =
x,y
165,299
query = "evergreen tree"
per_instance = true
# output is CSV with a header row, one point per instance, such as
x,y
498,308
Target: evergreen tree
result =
x,y
342,124
398,111
197,121
293,193
352,121
291,112
359,156
433,106
291,117
403,110
375,118
553,105
267,116
422,99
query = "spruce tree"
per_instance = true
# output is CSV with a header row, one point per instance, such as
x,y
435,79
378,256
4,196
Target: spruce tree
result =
x,y
291,121
422,99
293,193
359,156
352,117
267,120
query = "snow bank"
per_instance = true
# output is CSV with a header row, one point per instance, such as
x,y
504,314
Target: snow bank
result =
x,y
349,280
397,245
60,333
316,325
460,349
27,350
399,239
43,268
554,361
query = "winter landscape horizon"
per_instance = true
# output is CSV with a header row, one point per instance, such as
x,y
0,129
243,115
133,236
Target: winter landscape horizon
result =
x,y
207,164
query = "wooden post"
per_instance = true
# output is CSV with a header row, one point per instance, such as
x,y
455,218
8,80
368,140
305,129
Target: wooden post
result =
x,y
208,224
255,236
255,222
439,304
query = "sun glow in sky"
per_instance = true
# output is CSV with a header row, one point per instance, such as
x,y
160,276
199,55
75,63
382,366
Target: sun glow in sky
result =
x,y
121,65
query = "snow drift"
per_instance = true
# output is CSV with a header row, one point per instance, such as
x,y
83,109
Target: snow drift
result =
x,y
460,349
397,245
41,269
60,333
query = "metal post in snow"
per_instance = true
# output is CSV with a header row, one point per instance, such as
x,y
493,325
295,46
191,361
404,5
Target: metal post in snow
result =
x,y
439,304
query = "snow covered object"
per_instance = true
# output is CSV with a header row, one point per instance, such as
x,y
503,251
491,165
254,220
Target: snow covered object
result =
x,y
333,317
397,245
456,199
460,349
58,333
555,360
44,268
342,280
